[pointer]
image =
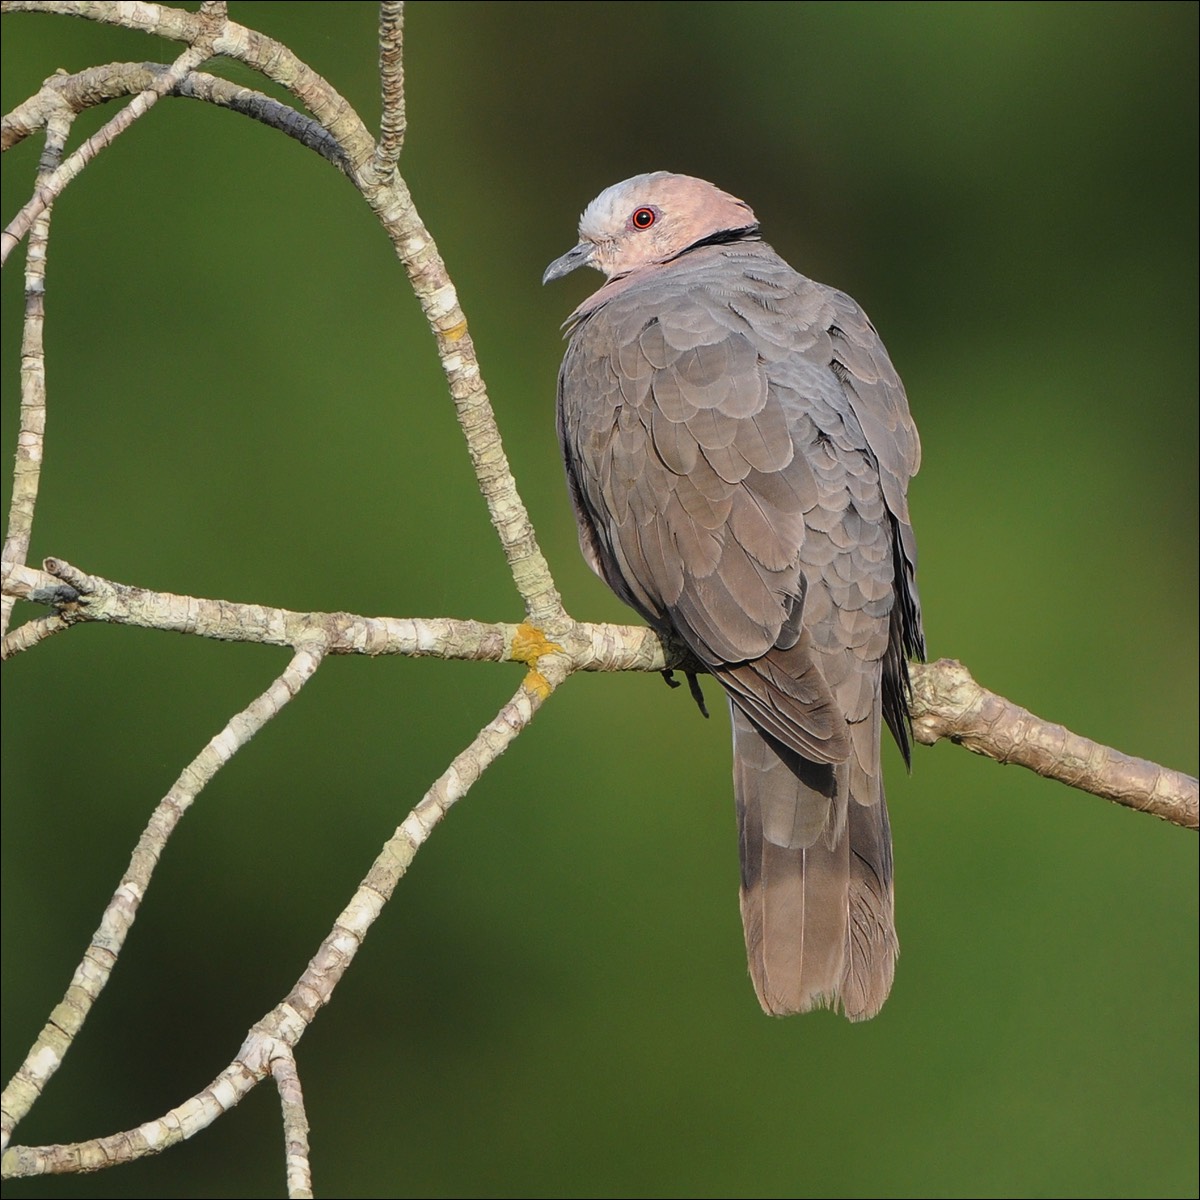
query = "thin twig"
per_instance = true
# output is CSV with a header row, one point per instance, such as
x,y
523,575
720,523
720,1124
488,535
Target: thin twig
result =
x,y
26,636
392,121
295,1122
31,434
100,958
314,989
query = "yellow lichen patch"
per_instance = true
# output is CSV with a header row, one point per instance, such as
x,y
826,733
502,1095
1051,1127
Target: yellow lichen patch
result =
x,y
529,644
537,683
455,331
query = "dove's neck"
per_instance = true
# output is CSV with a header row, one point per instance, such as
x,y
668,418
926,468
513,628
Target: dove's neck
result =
x,y
620,283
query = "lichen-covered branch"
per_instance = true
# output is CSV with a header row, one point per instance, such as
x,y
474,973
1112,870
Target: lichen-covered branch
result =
x,y
948,703
315,987
210,21
389,198
431,283
96,967
257,51
27,470
98,85
77,597
295,1122
392,121
26,636
286,1024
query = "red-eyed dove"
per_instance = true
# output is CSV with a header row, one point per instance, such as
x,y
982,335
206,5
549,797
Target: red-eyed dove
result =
x,y
738,448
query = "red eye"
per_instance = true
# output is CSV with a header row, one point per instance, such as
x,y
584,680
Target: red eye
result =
x,y
643,218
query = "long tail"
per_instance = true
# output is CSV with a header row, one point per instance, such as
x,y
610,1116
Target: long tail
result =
x,y
816,853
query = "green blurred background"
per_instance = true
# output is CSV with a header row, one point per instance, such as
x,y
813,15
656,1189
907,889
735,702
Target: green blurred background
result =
x,y
244,403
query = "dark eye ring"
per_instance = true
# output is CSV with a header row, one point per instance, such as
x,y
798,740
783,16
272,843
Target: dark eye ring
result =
x,y
643,218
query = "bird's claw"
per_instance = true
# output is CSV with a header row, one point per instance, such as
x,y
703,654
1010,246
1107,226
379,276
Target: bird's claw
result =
x,y
693,686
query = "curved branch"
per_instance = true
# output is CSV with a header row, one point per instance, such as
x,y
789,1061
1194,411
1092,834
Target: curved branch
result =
x,y
286,1024
392,203
257,51
210,22
95,969
431,283
98,85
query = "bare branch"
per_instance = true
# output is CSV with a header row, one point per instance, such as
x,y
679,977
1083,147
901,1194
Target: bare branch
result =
x,y
30,634
295,1122
315,987
439,301
153,1137
80,597
393,204
948,703
100,958
257,51
27,470
211,20
265,110
392,121
97,85
286,1024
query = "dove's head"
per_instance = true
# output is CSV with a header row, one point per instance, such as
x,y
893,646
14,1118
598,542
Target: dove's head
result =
x,y
650,219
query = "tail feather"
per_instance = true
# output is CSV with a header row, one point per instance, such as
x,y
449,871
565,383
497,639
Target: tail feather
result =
x,y
816,879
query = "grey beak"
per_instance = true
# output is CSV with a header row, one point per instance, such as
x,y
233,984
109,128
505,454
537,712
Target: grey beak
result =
x,y
581,256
